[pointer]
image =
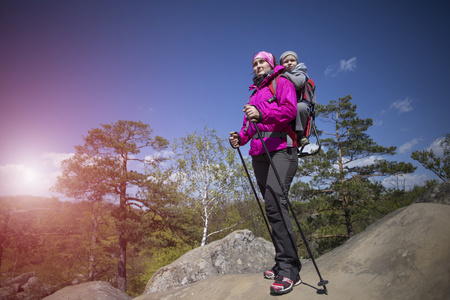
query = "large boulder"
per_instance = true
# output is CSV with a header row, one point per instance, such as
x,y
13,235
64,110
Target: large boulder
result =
x,y
94,290
239,252
25,286
405,255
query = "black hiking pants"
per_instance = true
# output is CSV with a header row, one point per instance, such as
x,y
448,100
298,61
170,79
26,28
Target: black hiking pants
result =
x,y
285,161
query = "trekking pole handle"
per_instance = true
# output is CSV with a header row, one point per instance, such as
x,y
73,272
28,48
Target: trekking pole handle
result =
x,y
238,138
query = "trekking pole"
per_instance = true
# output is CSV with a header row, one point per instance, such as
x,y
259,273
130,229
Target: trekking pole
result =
x,y
322,282
291,237
256,195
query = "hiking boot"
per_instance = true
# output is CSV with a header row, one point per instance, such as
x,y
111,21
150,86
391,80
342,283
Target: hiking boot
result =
x,y
298,281
283,285
304,141
269,274
272,273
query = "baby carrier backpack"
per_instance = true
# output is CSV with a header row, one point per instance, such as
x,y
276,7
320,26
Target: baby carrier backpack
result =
x,y
306,94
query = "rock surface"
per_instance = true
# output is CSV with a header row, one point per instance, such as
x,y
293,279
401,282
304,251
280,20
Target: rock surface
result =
x,y
405,255
438,194
239,252
95,290
26,286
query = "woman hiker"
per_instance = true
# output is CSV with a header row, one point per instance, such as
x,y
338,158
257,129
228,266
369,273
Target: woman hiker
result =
x,y
272,116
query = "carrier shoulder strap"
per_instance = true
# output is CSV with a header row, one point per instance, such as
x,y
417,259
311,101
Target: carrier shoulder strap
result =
x,y
308,92
273,85
273,88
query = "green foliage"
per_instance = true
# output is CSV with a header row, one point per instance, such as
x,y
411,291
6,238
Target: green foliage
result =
x,y
100,170
392,199
339,184
162,218
54,239
438,165
51,238
205,167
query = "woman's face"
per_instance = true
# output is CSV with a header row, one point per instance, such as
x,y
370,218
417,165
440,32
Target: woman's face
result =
x,y
260,66
289,62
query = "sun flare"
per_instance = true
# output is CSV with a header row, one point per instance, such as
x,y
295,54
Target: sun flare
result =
x,y
29,175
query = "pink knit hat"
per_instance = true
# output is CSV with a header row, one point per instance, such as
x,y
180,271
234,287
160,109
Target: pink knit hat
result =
x,y
266,56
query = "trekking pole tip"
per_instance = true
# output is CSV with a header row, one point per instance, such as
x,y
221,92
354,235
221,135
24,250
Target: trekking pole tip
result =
x,y
322,282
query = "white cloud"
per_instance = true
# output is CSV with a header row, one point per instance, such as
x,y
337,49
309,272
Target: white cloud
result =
x,y
348,65
34,178
406,181
363,162
407,146
163,154
55,159
18,179
437,148
343,66
329,71
378,123
402,105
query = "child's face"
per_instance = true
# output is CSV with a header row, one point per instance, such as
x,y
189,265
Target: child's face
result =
x,y
289,62
260,66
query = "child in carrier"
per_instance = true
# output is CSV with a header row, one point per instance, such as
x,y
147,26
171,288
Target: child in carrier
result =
x,y
298,74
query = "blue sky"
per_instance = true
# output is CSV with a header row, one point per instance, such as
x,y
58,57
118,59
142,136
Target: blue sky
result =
x,y
68,66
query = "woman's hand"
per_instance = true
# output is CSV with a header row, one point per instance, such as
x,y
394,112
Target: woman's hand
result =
x,y
252,113
234,139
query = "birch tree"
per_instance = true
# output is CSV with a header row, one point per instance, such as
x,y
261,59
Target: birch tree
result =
x,y
205,166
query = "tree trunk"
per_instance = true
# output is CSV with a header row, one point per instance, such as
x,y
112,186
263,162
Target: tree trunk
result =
x,y
345,200
122,264
348,220
91,273
205,225
91,260
3,231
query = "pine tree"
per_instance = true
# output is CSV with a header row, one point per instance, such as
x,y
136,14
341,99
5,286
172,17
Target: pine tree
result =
x,y
342,190
431,161
100,169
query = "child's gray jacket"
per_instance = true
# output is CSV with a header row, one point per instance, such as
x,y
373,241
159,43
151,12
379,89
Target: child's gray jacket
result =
x,y
298,76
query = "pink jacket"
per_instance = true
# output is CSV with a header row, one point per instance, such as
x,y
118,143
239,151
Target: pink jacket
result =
x,y
276,115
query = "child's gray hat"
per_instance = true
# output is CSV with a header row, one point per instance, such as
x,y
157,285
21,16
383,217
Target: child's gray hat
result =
x,y
283,56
